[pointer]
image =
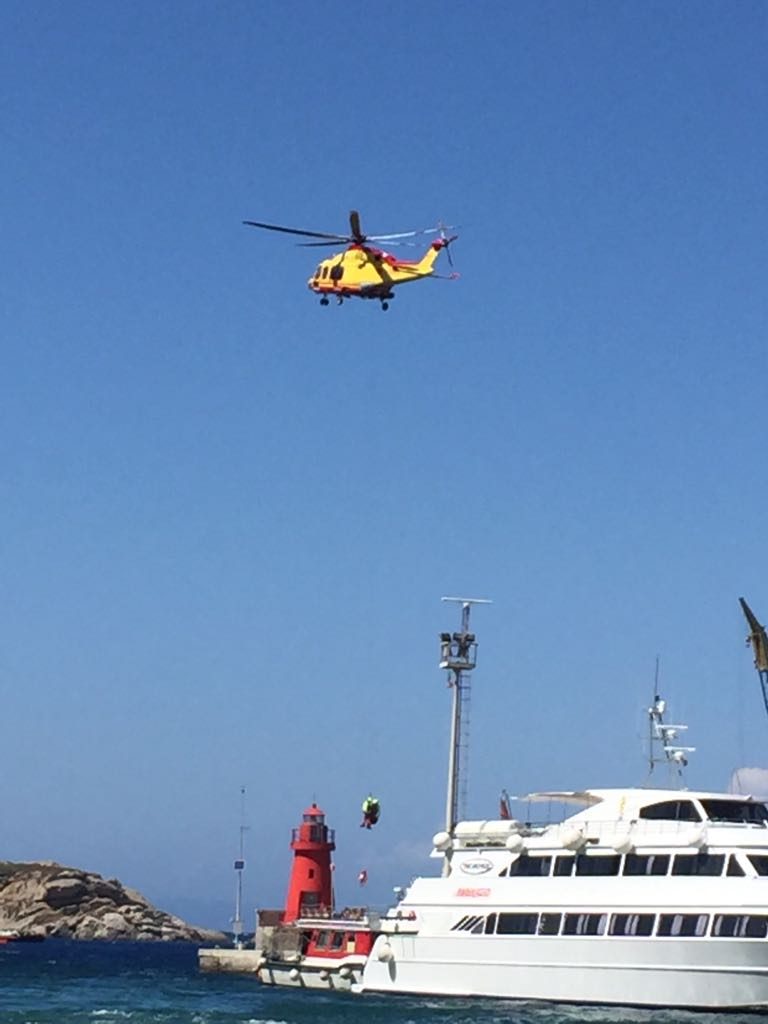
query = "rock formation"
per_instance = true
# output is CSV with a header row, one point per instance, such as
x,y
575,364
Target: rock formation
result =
x,y
48,899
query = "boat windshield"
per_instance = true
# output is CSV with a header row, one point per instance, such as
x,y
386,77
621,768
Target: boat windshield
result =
x,y
748,812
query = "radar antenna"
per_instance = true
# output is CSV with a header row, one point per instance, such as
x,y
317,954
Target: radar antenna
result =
x,y
458,654
662,746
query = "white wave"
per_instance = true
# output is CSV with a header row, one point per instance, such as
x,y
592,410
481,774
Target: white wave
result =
x,y
260,1020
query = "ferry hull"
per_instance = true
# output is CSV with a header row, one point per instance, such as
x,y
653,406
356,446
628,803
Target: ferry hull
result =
x,y
697,974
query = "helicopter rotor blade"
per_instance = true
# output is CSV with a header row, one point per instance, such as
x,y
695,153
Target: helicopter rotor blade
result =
x,y
354,224
338,240
410,234
400,234
352,241
296,231
390,241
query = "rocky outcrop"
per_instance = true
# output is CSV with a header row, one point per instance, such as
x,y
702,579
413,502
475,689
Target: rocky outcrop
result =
x,y
48,899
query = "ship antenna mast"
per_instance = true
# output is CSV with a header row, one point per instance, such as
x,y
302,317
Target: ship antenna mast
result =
x,y
662,737
458,654
759,642
237,920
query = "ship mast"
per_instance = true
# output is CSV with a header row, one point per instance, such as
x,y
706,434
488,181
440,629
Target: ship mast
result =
x,y
759,642
458,654
663,745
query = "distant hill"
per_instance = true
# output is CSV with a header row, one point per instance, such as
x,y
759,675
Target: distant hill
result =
x,y
46,898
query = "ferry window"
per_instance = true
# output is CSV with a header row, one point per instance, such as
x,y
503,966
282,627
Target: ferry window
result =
x,y
321,940
490,924
584,924
749,926
564,865
734,867
727,925
469,923
632,924
736,811
517,924
530,867
687,925
601,864
549,924
759,862
671,810
698,864
337,940
311,873
646,864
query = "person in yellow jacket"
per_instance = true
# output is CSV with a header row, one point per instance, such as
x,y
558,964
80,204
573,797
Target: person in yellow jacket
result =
x,y
371,811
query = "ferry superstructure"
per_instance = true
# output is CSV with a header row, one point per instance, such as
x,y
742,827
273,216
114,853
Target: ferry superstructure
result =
x,y
645,897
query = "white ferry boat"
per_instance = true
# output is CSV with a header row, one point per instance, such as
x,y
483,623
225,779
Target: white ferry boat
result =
x,y
646,897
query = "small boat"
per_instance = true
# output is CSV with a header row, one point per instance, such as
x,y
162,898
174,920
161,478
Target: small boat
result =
x,y
13,935
326,953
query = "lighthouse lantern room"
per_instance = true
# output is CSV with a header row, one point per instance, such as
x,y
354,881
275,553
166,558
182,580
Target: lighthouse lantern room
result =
x,y
310,889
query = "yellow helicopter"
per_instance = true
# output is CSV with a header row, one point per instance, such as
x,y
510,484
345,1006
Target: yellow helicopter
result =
x,y
362,269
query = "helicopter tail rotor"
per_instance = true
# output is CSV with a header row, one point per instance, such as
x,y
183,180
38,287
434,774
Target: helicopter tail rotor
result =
x,y
447,240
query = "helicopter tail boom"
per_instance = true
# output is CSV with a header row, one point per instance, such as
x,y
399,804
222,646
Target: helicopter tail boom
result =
x,y
426,263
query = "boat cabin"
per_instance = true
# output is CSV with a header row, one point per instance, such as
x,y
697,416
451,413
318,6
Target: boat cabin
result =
x,y
334,942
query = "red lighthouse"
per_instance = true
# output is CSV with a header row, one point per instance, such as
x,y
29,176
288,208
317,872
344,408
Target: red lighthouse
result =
x,y
310,890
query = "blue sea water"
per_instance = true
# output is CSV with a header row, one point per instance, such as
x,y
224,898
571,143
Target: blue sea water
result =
x,y
59,982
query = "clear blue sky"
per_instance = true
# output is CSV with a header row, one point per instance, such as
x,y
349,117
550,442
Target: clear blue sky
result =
x,y
227,515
